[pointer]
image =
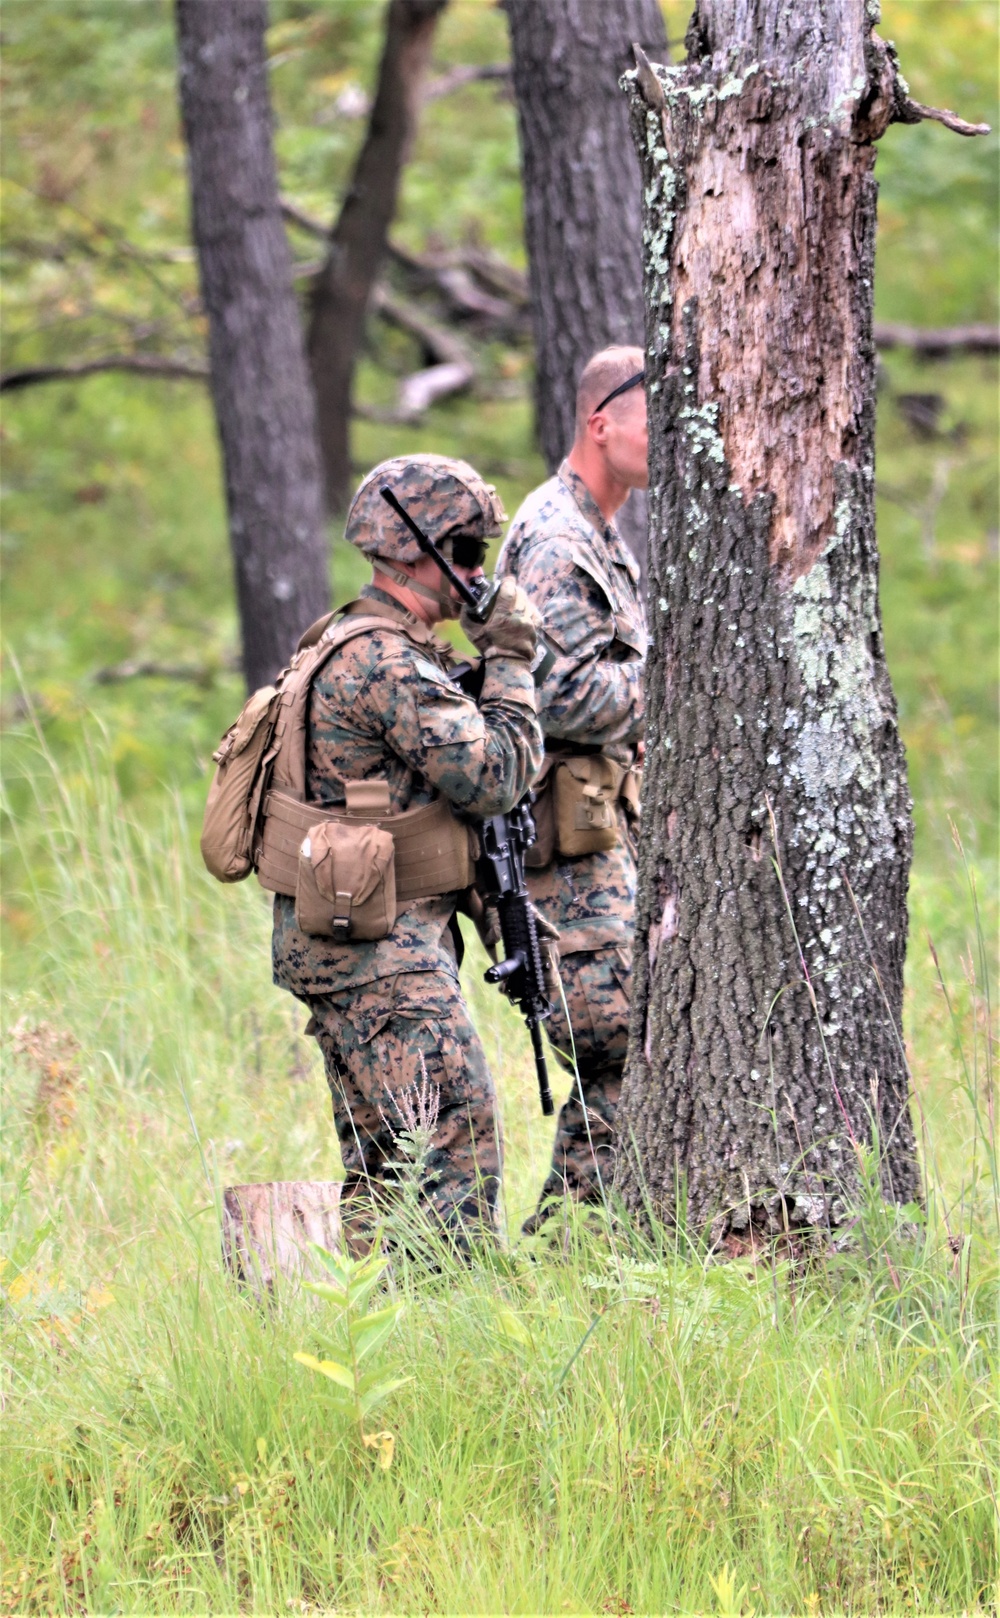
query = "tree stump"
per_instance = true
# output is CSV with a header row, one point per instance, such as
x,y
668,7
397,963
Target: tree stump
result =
x,y
266,1230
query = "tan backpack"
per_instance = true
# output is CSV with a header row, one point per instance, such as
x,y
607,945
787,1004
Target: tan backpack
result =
x,y
257,815
271,727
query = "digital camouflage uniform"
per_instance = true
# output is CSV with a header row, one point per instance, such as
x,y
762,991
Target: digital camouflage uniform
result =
x,y
578,573
388,1013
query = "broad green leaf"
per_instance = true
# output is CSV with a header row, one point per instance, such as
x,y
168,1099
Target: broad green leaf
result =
x,y
512,1327
323,1289
341,1269
370,1267
359,1291
332,1368
371,1331
380,1391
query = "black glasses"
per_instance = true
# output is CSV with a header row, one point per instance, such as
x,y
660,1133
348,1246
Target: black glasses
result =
x,y
465,550
623,387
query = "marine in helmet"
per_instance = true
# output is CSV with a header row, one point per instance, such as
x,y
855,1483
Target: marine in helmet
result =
x,y
563,548
398,1045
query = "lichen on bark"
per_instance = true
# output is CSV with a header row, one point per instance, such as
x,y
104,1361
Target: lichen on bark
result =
x,y
766,1049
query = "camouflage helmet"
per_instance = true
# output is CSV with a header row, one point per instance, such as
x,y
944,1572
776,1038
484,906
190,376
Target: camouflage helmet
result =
x,y
444,497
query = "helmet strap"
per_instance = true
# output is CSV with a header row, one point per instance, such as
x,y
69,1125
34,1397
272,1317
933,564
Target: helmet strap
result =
x,y
446,603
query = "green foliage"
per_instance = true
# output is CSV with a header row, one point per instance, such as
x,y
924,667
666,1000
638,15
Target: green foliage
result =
x,y
730,1600
357,1392
938,214
828,1435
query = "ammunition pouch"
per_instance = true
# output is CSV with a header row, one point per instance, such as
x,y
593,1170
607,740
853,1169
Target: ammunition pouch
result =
x,y
576,806
346,882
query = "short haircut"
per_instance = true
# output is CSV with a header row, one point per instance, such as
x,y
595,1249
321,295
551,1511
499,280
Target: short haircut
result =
x,y
603,372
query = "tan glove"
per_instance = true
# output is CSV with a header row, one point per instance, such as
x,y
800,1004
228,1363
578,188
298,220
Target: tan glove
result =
x,y
550,968
511,630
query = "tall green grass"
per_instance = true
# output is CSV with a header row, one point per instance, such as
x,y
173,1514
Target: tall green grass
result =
x,y
620,1427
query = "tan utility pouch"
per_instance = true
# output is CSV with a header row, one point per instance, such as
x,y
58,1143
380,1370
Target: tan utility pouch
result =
x,y
584,802
233,805
543,848
631,791
346,886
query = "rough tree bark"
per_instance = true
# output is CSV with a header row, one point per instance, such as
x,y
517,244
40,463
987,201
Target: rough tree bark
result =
x,y
766,1052
344,285
582,207
260,386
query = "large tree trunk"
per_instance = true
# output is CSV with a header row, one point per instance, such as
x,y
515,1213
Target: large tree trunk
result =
x,y
260,386
357,242
582,208
766,1053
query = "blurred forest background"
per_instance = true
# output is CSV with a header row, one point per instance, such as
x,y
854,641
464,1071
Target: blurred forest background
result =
x,y
114,545
147,1057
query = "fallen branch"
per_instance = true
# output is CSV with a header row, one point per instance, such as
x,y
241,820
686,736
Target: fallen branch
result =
x,y
439,345
495,272
133,669
451,272
418,392
159,365
294,215
933,342
458,77
452,370
450,276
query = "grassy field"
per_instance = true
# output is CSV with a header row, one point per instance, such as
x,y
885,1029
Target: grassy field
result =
x,y
624,1429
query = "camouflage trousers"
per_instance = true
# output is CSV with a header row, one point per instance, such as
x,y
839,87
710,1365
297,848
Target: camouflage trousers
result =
x,y
596,984
410,1085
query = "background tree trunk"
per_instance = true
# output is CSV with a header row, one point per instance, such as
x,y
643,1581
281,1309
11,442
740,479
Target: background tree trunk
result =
x,y
582,208
260,386
357,242
766,1048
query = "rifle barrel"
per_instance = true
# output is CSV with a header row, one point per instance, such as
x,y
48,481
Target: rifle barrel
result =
x,y
541,1067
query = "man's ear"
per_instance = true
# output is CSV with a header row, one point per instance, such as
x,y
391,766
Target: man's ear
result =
x,y
597,428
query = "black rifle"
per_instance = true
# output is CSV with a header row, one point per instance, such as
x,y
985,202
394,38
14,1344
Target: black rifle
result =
x,y
500,871
504,840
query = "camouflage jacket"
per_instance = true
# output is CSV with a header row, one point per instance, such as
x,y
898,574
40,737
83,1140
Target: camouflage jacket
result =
x,y
578,572
383,707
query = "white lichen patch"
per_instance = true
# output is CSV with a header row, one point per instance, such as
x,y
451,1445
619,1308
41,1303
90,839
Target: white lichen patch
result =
x,y
734,85
702,431
846,102
832,618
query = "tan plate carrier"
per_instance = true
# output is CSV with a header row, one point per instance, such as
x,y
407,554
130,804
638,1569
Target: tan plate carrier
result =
x,y
432,847
257,816
434,852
